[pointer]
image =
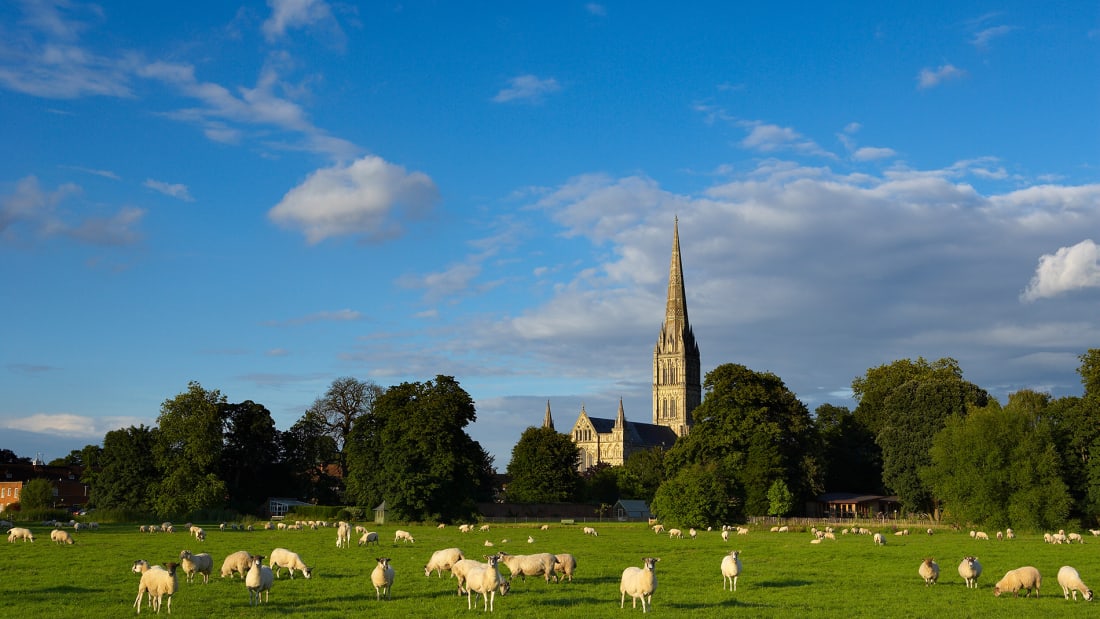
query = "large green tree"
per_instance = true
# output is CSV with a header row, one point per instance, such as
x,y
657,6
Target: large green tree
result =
x,y
543,468
998,468
127,477
188,452
250,455
36,494
643,473
412,451
346,400
306,453
755,431
851,459
699,495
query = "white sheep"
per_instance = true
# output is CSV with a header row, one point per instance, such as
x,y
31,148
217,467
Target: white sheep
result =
x,y
981,535
1075,537
566,564
369,537
259,580
639,583
731,569
281,557
591,531
238,562
1010,534
404,536
20,533
725,535
675,533
692,533
929,570
198,533
157,583
1071,582
442,560
483,579
382,578
343,535
483,527
970,570
541,564
201,563
61,536
879,539
1026,577
658,528
459,571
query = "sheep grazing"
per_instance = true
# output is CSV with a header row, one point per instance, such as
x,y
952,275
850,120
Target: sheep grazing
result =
x,y
970,570
541,564
259,580
879,539
1075,537
675,533
238,562
201,563
483,579
692,533
369,537
343,535
725,535
20,533
565,566
1010,534
442,560
404,536
1071,582
731,569
981,535
639,583
591,531
281,557
197,532
157,583
382,578
1026,577
929,570
658,528
61,536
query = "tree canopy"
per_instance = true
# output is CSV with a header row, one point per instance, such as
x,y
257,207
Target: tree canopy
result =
x,y
187,451
127,478
543,468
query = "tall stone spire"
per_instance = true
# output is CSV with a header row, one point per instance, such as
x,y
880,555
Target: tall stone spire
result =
x,y
620,419
548,421
677,386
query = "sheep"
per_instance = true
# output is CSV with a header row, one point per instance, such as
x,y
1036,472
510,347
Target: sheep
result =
x,y
784,529
459,570
1075,537
442,560
61,536
530,539
370,537
929,570
198,533
675,533
639,583
879,539
201,563
404,536
1026,577
731,569
259,580
1071,582
20,533
725,535
591,531
1010,534
692,533
541,564
970,570
980,535
465,528
483,579
157,583
281,557
658,528
483,527
238,562
382,578
566,564
343,535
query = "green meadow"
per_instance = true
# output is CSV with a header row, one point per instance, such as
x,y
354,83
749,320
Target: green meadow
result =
x,y
784,574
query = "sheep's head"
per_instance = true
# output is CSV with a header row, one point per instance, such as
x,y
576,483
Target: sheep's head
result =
x,y
1088,595
650,563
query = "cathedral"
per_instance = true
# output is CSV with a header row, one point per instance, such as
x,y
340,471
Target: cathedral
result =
x,y
677,388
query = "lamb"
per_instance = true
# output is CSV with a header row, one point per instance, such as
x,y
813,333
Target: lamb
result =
x,y
238,562
370,537
970,570
675,533
281,557
929,570
731,569
443,560
591,531
382,578
1071,582
20,533
404,536
201,563
157,583
879,539
259,580
639,583
566,564
61,536
1026,577
483,579
529,565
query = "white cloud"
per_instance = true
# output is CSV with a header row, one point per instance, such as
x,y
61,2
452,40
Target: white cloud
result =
x,y
1068,269
69,425
869,153
983,37
32,213
344,315
366,199
174,190
933,77
598,10
527,88
769,138
295,14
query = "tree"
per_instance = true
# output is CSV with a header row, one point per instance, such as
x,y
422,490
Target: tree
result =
x,y
127,476
413,452
346,400
8,456
75,458
1000,468
756,431
644,472
188,452
543,467
872,389
780,499
36,494
699,495
306,452
250,454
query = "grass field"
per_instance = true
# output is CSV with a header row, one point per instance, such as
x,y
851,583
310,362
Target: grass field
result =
x,y
784,575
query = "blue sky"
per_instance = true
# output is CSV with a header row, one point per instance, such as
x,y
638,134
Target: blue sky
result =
x,y
264,197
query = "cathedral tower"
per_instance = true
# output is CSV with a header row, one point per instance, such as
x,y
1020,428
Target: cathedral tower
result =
x,y
677,384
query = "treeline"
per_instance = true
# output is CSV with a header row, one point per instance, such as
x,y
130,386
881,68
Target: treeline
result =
x,y
943,445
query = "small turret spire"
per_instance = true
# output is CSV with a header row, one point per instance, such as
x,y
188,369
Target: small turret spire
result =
x,y
548,421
